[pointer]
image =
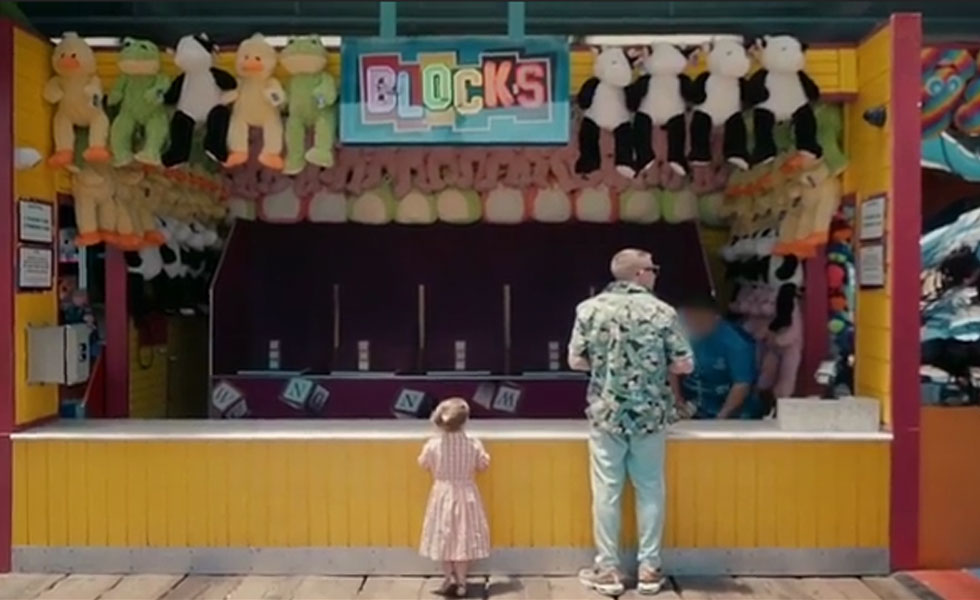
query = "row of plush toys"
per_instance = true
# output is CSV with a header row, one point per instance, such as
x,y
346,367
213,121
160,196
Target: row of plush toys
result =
x,y
174,277
665,97
126,207
161,116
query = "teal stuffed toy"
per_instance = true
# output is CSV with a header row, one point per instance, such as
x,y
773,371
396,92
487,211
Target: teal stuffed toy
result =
x,y
138,92
312,97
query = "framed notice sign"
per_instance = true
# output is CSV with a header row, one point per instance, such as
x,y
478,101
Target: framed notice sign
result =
x,y
36,221
871,265
872,213
455,90
35,268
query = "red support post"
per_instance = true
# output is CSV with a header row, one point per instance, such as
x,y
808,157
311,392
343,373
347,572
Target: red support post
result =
x,y
8,287
904,267
117,335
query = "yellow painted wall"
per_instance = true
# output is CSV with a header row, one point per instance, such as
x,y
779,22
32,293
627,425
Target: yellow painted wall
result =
x,y
870,173
833,69
147,379
32,127
770,494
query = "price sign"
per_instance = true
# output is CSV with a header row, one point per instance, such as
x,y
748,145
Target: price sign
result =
x,y
238,411
507,398
318,399
483,396
296,392
409,401
223,396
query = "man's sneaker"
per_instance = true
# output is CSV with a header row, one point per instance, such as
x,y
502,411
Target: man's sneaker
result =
x,y
605,580
649,580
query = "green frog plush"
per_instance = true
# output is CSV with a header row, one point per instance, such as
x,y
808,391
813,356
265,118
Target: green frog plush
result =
x,y
312,97
138,92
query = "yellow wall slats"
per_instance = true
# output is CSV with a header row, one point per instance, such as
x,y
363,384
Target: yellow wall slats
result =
x,y
720,494
832,69
32,128
870,174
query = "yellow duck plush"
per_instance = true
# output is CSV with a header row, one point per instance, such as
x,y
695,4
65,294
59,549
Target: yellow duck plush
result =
x,y
77,92
257,104
95,208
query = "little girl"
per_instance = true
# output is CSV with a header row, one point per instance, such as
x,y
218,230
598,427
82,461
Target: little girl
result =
x,y
455,529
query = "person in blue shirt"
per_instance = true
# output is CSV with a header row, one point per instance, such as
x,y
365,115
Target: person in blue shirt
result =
x,y
721,385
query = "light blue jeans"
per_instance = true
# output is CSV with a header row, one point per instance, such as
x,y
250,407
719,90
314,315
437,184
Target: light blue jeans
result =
x,y
612,457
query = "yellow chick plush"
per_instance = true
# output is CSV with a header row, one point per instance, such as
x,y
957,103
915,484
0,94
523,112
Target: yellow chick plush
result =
x,y
77,92
95,208
258,100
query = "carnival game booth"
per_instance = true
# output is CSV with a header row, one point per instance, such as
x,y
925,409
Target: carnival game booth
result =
x,y
391,273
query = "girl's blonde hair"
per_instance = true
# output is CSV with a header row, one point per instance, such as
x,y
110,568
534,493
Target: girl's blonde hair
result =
x,y
451,414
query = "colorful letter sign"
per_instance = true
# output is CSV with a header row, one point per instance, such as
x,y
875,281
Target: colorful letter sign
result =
x,y
478,90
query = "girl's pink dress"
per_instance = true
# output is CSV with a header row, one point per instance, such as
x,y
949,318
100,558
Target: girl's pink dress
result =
x,y
455,527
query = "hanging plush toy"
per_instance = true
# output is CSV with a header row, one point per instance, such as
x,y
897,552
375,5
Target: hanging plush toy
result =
x,y
312,97
138,92
257,103
603,100
77,91
782,91
718,95
200,94
659,100
95,214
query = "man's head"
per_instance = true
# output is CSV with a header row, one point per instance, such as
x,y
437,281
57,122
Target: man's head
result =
x,y
634,266
700,315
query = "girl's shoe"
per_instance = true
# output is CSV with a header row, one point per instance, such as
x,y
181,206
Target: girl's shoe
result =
x,y
460,590
448,588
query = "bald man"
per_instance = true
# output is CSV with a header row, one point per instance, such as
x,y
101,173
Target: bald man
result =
x,y
628,341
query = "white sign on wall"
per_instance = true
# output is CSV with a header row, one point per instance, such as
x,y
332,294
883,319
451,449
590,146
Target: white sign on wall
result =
x,y
872,225
871,265
35,268
36,221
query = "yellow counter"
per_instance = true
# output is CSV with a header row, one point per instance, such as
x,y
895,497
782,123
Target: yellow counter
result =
x,y
347,497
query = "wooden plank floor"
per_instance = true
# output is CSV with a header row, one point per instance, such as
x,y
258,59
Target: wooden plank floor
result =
x,y
21,586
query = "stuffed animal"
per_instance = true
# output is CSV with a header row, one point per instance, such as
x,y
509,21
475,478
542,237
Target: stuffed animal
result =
x,y
77,92
312,103
257,103
460,207
659,100
200,94
138,92
94,207
718,95
782,91
603,100
126,195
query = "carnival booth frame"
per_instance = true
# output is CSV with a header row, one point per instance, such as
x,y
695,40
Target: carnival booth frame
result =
x,y
346,497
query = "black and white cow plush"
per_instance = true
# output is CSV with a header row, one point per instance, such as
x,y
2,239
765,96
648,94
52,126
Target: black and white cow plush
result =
x,y
602,98
781,91
197,93
142,267
718,96
659,99
786,276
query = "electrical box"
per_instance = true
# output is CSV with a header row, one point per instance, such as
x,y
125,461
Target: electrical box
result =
x,y
59,354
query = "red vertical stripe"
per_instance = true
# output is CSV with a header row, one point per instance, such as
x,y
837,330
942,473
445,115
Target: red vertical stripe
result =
x,y
906,225
815,318
8,287
117,335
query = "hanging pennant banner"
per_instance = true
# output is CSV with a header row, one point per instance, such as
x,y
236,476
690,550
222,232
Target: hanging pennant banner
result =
x,y
446,90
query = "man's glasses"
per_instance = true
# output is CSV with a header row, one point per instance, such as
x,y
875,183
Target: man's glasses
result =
x,y
655,269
